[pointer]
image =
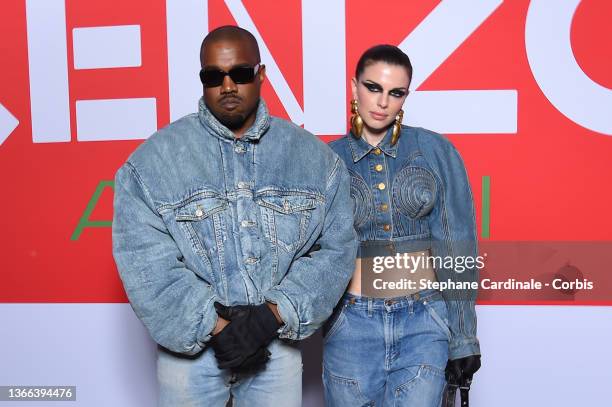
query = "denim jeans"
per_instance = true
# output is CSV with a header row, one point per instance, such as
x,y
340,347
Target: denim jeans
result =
x,y
386,352
190,381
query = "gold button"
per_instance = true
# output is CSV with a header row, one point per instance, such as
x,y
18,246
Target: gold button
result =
x,y
378,167
381,186
377,151
384,207
387,228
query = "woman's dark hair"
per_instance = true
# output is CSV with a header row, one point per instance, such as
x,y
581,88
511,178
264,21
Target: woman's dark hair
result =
x,y
384,53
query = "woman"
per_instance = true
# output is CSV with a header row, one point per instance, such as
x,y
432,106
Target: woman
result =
x,y
390,344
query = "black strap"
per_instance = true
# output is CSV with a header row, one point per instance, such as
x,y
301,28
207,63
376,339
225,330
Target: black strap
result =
x,y
465,397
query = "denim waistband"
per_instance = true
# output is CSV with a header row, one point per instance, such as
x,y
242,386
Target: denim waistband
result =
x,y
394,302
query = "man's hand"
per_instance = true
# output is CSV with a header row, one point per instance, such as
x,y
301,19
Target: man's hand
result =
x,y
274,310
221,323
242,343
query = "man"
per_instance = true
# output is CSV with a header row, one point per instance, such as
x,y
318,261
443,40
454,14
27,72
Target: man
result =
x,y
232,230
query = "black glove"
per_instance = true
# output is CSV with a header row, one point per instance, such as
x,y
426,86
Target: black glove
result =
x,y
459,372
254,362
242,343
229,355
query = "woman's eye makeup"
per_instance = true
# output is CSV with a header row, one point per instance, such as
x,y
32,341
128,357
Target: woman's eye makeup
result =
x,y
374,87
398,93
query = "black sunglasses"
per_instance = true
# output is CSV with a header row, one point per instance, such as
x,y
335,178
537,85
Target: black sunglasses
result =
x,y
240,75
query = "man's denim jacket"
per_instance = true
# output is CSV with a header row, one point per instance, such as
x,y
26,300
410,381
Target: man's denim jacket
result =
x,y
200,216
419,188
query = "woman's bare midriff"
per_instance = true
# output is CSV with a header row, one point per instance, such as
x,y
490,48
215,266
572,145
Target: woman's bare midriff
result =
x,y
354,286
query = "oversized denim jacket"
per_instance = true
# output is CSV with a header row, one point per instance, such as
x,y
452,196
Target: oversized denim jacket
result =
x,y
200,216
420,190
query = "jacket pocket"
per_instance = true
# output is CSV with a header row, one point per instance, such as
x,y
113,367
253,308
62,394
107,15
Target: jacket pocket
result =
x,y
286,217
199,209
202,224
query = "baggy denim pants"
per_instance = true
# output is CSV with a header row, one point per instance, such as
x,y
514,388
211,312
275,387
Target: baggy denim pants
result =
x,y
386,352
190,381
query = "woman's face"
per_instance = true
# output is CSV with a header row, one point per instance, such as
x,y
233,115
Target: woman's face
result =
x,y
380,92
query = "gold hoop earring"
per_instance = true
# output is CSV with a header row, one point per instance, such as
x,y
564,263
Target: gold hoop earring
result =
x,y
356,120
397,127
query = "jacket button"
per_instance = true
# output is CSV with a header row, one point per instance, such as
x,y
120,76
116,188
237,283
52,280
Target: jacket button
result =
x,y
384,207
378,167
381,186
387,227
376,151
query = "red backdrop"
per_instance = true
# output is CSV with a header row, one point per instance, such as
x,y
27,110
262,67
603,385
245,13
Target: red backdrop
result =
x,y
549,181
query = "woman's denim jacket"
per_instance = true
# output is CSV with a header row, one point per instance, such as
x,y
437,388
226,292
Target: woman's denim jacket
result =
x,y
200,216
419,188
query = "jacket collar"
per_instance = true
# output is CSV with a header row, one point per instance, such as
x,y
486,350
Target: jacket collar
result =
x,y
259,127
360,147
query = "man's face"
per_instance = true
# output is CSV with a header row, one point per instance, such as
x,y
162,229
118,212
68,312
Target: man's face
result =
x,y
234,105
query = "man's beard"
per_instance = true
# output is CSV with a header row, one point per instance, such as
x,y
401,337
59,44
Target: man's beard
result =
x,y
232,121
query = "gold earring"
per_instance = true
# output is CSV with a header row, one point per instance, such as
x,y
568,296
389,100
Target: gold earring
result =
x,y
397,127
356,120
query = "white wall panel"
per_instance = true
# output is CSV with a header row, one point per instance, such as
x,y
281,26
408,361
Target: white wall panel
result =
x,y
532,355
